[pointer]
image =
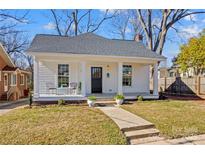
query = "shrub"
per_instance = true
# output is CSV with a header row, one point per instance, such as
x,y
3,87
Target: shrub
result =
x,y
92,98
139,98
30,98
119,96
61,102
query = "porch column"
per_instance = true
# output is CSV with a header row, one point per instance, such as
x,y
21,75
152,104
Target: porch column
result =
x,y
83,82
120,78
155,80
36,77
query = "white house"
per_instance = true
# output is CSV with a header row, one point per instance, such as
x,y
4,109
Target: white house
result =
x,y
72,68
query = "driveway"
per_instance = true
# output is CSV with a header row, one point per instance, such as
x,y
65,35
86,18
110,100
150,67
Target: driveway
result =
x,y
6,107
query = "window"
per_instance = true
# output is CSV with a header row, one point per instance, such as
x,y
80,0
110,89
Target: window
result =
x,y
63,75
127,75
171,74
13,79
22,79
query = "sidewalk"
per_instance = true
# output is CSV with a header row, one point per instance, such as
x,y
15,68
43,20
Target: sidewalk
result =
x,y
8,106
8,103
190,140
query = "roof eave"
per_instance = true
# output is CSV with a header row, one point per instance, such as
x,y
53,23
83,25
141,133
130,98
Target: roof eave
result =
x,y
45,53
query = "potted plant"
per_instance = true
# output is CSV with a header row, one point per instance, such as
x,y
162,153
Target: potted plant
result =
x,y
61,102
140,98
91,101
119,99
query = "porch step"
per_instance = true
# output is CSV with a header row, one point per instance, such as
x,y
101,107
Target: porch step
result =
x,y
146,140
136,134
140,127
104,99
104,103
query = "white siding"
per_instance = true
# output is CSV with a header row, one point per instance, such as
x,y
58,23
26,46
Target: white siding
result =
x,y
48,74
140,78
109,85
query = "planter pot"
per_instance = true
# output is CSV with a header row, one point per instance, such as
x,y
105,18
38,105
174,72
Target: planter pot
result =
x,y
90,103
119,101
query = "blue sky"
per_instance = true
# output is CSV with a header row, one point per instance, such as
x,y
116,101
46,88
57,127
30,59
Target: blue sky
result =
x,y
40,22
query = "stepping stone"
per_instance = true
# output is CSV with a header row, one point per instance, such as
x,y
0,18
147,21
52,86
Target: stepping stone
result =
x,y
141,133
138,127
146,140
163,142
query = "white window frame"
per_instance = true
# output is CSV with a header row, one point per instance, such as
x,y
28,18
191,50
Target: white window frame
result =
x,y
22,77
67,75
12,80
124,75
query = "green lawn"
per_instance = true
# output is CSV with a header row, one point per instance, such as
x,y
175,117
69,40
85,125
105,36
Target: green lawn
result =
x,y
174,119
59,125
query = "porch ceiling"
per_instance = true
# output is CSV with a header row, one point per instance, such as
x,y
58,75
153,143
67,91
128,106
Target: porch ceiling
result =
x,y
92,58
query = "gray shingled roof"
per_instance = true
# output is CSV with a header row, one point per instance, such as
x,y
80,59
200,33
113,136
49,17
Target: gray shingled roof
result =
x,y
90,44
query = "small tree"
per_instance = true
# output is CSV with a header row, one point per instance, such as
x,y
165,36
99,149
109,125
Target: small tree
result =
x,y
192,55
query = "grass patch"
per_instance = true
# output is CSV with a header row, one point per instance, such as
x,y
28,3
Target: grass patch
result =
x,y
59,125
174,119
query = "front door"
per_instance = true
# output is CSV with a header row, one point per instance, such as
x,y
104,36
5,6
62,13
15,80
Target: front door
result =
x,y
96,79
6,82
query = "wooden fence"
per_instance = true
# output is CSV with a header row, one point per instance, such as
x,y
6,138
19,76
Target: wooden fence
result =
x,y
182,85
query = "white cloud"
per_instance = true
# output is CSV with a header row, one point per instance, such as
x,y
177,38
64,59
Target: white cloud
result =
x,y
190,31
49,26
191,18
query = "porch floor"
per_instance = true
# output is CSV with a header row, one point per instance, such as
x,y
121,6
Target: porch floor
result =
x,y
127,95
102,96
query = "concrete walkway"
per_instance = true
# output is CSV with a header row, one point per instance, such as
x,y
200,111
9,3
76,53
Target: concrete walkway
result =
x,y
139,131
134,127
123,118
8,106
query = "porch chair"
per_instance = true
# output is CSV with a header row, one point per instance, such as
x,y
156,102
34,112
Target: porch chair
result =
x,y
73,88
50,88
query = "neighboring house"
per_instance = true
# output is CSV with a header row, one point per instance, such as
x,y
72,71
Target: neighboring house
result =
x,y
13,81
168,72
72,68
175,72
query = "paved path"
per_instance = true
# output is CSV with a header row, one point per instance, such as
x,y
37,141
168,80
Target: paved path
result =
x,y
6,107
123,118
139,131
134,127
191,140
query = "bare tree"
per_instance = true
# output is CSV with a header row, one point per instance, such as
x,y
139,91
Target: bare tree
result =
x,y
15,42
156,32
121,24
74,22
13,39
126,24
9,20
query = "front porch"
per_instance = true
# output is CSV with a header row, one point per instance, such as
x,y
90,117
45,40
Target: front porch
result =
x,y
102,96
103,77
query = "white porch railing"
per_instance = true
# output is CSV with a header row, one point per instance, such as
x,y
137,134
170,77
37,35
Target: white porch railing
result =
x,y
73,89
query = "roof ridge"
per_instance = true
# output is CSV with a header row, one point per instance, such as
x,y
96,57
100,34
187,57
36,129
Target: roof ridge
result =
x,y
54,35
